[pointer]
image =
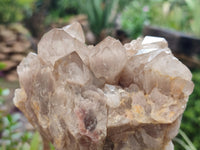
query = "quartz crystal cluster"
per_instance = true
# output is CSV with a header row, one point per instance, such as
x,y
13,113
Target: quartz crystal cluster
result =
x,y
104,97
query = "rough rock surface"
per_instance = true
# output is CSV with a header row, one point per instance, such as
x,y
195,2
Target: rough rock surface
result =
x,y
104,97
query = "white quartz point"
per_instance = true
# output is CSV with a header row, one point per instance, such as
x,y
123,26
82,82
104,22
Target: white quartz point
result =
x,y
58,43
75,30
163,66
71,69
108,60
159,41
54,45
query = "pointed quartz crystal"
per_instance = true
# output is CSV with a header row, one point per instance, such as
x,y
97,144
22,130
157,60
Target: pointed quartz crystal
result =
x,y
108,60
60,42
72,70
75,30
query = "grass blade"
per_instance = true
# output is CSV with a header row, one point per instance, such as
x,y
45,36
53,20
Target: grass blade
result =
x,y
188,141
35,142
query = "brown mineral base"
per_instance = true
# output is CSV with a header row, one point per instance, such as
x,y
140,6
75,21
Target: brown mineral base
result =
x,y
104,97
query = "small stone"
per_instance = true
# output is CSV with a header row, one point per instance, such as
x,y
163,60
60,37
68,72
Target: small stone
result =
x,y
12,76
7,35
5,49
103,97
2,56
19,28
16,57
19,47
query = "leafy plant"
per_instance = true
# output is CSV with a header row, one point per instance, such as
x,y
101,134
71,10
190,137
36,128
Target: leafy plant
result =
x,y
185,143
13,137
101,13
123,4
9,135
194,11
134,17
14,10
9,127
2,65
35,143
181,15
67,7
168,14
61,9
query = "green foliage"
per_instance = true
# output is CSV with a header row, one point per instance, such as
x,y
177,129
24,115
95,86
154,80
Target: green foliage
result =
x,y
194,11
123,4
62,7
191,118
60,10
134,17
169,14
35,143
9,126
2,65
101,13
12,135
184,141
54,17
11,138
15,10
181,15
67,6
11,130
9,11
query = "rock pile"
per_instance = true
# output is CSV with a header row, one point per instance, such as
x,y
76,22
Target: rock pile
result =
x,y
14,46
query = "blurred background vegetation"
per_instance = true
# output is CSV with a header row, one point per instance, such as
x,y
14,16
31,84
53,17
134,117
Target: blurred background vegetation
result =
x,y
23,22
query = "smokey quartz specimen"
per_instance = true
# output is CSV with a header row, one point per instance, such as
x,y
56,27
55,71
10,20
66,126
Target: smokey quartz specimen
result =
x,y
104,97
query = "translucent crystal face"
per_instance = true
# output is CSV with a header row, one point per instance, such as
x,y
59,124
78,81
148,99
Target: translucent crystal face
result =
x,y
108,96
